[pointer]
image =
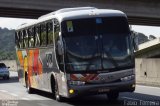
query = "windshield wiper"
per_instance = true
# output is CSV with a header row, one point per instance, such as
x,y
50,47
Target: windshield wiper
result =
x,y
110,58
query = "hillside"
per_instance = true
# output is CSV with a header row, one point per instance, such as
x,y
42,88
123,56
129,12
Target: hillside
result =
x,y
7,45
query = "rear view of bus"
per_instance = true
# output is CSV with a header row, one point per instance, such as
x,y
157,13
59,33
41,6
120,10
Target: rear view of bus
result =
x,y
98,53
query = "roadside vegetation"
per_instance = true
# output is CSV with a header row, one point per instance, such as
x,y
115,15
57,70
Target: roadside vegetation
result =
x,y
7,45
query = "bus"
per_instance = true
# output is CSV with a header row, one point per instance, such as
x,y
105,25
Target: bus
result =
x,y
77,52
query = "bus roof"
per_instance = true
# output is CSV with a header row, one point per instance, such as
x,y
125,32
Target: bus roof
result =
x,y
75,13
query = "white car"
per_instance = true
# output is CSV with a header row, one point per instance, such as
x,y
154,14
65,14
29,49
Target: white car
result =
x,y
4,72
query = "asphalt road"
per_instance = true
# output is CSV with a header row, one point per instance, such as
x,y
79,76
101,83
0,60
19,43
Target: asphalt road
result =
x,y
12,93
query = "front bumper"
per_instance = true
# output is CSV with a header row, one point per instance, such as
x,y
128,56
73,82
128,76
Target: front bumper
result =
x,y
126,86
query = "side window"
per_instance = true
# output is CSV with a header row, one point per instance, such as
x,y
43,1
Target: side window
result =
x,y
17,39
43,34
31,36
50,32
25,38
37,35
20,39
56,30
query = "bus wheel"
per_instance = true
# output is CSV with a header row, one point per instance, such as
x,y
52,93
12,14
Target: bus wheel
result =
x,y
29,89
56,92
53,86
113,96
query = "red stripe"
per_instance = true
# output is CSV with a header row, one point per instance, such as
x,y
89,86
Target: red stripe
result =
x,y
95,75
89,77
73,77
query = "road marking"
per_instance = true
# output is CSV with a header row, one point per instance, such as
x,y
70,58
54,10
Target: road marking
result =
x,y
3,91
148,87
130,98
13,94
41,104
25,98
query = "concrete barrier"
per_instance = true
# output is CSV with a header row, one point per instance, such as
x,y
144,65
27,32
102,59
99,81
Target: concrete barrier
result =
x,y
148,71
10,63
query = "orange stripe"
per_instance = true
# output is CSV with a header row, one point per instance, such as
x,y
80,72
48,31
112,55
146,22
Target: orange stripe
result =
x,y
20,57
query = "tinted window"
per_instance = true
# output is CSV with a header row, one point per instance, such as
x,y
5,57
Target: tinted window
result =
x,y
50,32
43,35
17,39
91,26
96,43
79,27
25,38
37,36
56,29
20,41
31,37
113,25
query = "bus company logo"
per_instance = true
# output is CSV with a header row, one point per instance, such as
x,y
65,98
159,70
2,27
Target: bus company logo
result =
x,y
49,60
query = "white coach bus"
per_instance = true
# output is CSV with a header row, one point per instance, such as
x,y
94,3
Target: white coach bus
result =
x,y
77,51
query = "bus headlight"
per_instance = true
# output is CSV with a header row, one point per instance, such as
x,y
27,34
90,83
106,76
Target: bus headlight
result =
x,y
128,78
77,83
71,91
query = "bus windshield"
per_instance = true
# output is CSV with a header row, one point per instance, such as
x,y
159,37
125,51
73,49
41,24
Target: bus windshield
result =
x,y
96,44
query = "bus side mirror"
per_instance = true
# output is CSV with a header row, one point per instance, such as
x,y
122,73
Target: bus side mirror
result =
x,y
135,41
60,48
136,44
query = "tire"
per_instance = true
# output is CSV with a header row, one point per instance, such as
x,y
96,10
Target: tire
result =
x,y
53,86
57,96
28,85
113,96
55,90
